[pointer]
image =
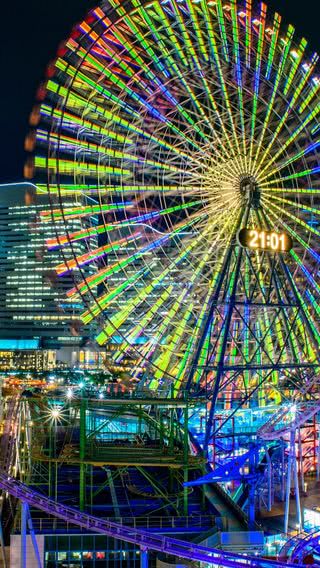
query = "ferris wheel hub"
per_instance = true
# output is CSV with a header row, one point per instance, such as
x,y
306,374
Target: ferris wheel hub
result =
x,y
250,191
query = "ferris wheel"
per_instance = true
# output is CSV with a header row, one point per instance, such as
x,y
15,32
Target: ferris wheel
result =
x,y
164,129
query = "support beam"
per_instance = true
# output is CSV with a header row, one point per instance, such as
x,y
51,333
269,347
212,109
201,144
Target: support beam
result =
x,y
34,540
225,333
185,461
144,561
82,451
292,468
23,550
3,553
296,483
318,447
113,493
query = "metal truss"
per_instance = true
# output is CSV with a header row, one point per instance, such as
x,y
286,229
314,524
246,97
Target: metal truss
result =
x,y
256,333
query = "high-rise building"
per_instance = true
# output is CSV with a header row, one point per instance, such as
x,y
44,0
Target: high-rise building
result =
x,y
33,302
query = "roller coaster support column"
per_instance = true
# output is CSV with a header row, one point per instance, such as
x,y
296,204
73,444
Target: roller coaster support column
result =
x,y
82,451
292,466
3,554
185,459
26,523
296,484
252,489
301,460
269,470
23,552
317,451
144,558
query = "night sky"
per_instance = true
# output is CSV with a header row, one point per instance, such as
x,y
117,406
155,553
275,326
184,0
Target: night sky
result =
x,y
31,31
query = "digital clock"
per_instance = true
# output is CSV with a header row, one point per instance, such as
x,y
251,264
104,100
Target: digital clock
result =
x,y
257,239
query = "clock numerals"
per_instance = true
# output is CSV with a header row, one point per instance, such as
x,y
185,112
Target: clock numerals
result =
x,y
264,240
253,243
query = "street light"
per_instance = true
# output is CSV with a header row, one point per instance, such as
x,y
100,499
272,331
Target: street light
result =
x,y
55,413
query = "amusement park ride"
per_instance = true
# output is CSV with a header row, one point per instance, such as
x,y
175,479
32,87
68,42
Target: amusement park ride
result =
x,y
183,135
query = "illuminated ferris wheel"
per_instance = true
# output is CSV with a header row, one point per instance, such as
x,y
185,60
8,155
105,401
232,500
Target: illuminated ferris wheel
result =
x,y
164,129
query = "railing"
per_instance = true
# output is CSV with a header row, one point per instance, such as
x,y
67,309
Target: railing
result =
x,y
203,522
117,390
287,419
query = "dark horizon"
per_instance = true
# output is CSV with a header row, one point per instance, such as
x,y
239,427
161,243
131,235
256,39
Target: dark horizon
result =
x,y
30,39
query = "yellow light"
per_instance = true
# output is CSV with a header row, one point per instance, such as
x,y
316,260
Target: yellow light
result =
x,y
69,394
55,413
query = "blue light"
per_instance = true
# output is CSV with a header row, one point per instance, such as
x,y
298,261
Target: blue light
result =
x,y
19,344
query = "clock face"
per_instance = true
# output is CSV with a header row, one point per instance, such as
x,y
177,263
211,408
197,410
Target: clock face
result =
x,y
256,239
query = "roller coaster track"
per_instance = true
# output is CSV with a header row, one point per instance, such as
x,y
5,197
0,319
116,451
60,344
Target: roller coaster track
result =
x,y
302,545
143,539
8,438
287,419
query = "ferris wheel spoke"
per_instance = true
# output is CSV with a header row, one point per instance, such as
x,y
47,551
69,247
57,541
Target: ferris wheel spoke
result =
x,y
297,175
294,205
301,265
75,99
248,24
82,211
137,99
188,44
291,139
290,191
293,101
306,245
138,191
68,167
136,78
223,32
95,254
140,220
218,64
189,47
164,362
102,303
282,165
70,145
273,44
275,88
313,92
297,220
198,330
103,274
84,80
174,309
119,318
257,78
216,59
236,53
143,324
